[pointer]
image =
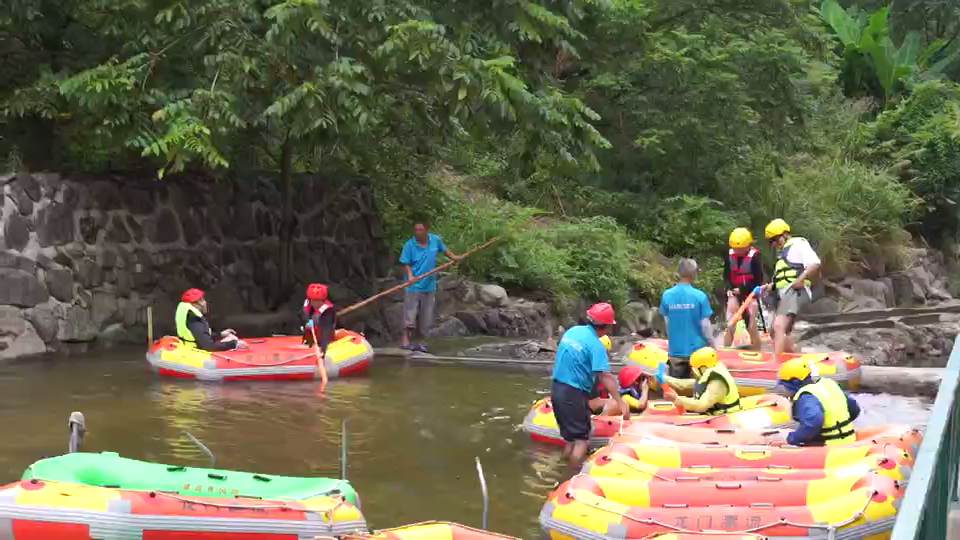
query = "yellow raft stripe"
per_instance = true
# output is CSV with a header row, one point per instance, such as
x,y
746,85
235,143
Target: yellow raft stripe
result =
x,y
68,496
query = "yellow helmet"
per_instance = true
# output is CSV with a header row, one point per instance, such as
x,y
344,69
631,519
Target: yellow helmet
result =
x,y
775,228
740,238
704,358
796,368
606,342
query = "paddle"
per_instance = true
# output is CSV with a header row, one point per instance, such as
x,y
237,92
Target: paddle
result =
x,y
320,362
743,307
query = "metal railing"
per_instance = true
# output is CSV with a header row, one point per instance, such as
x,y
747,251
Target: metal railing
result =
x,y
932,488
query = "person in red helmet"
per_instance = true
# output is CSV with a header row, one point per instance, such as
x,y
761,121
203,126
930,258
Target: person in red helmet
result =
x,y
320,317
581,360
193,328
633,388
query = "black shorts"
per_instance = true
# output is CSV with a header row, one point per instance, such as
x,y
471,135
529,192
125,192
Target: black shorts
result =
x,y
572,410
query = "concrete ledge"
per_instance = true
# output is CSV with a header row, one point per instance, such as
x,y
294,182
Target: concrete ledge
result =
x,y
901,381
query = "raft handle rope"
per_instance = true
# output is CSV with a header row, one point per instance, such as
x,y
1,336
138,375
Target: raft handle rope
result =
x,y
483,490
831,529
365,536
630,464
282,505
201,446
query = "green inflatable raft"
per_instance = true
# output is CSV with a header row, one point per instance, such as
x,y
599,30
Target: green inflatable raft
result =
x,y
109,470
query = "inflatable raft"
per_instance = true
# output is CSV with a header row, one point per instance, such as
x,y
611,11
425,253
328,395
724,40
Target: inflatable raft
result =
x,y
754,371
609,464
788,492
270,358
903,437
759,412
431,530
109,470
670,454
40,510
862,513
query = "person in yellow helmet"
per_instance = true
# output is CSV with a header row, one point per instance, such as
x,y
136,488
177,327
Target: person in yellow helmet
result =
x,y
823,411
743,271
714,390
790,286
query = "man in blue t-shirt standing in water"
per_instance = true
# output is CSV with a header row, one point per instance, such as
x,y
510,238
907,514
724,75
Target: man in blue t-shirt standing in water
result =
x,y
687,312
418,257
582,359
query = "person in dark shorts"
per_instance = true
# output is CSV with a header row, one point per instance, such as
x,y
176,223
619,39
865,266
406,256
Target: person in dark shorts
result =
x,y
582,359
742,270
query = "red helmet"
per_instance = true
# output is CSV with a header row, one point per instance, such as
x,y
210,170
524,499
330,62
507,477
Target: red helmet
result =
x,y
628,376
601,313
191,296
316,291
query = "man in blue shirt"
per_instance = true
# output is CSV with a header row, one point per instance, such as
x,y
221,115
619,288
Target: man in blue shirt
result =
x,y
418,257
581,359
687,312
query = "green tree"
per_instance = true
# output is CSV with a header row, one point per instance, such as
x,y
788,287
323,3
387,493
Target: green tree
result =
x,y
319,85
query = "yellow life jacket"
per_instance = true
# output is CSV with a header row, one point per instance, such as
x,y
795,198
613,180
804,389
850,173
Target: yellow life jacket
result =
x,y
785,272
731,401
180,318
836,429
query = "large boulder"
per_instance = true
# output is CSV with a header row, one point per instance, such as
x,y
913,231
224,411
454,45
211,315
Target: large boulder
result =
x,y
492,295
21,289
17,336
75,324
45,320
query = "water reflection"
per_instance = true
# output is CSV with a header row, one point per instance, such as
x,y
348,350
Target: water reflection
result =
x,y
413,431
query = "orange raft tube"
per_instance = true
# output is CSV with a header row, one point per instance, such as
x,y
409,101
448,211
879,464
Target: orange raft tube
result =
x,y
39,510
867,512
614,465
431,530
901,436
759,412
754,371
270,358
669,454
742,493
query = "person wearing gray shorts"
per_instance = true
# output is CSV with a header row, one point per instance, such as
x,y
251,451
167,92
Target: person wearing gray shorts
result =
x,y
418,305
419,257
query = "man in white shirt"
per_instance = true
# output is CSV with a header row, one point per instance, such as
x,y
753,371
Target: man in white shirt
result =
x,y
796,262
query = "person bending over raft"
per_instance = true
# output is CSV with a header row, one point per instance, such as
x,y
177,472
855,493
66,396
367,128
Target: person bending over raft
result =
x,y
714,390
822,410
633,383
320,317
581,360
192,325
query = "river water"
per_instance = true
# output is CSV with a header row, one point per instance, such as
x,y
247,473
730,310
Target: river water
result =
x,y
414,431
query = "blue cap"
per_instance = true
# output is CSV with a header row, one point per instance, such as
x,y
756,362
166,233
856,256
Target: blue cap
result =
x,y
756,290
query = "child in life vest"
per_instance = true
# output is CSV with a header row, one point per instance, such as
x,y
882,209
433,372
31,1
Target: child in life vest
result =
x,y
320,317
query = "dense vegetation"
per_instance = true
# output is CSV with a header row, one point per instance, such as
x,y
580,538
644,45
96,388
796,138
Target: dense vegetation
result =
x,y
639,130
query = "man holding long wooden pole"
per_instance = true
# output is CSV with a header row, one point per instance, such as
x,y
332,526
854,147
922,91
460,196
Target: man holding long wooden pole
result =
x,y
419,257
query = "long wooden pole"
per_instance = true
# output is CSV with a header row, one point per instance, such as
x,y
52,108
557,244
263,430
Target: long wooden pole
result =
x,y
407,283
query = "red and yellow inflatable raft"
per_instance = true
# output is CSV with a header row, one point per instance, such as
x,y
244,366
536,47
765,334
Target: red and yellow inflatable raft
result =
x,y
38,510
754,371
632,492
615,465
271,358
861,513
903,437
759,412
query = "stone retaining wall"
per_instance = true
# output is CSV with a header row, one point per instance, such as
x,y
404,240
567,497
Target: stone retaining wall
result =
x,y
81,257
